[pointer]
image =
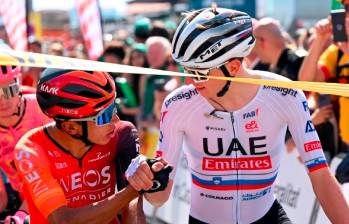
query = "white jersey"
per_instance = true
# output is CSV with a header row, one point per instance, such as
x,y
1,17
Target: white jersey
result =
x,y
234,157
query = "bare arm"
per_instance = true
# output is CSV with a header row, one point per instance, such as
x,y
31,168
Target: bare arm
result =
x,y
133,214
330,196
159,198
101,212
309,70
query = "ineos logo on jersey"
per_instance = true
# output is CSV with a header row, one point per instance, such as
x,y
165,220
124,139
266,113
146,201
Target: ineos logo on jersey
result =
x,y
211,51
26,167
234,146
50,90
88,178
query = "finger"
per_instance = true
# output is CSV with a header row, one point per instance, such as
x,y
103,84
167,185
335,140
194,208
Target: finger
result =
x,y
141,181
134,184
146,170
157,166
148,182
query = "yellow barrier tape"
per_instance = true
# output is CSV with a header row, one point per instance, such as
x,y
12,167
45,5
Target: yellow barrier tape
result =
x,y
10,57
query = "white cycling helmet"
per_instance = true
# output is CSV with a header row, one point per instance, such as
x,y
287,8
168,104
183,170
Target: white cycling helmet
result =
x,y
209,37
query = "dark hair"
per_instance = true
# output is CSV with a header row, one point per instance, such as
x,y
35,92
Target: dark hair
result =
x,y
116,49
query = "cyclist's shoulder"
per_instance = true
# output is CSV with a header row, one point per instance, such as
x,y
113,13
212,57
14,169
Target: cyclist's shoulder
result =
x,y
33,136
281,94
183,96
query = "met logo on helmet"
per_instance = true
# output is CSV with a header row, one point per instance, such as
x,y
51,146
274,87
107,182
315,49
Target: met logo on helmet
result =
x,y
50,90
212,50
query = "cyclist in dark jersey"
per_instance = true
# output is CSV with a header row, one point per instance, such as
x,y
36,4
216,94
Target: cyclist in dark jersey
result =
x,y
70,168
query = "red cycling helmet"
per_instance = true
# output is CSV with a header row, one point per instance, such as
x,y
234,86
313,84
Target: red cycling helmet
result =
x,y
74,94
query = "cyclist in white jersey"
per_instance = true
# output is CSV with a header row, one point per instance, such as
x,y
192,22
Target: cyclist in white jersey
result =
x,y
234,133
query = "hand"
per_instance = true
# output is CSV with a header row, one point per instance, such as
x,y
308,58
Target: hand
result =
x,y
322,114
18,218
323,30
139,174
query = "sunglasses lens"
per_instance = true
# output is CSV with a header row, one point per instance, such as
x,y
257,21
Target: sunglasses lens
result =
x,y
9,91
199,76
107,115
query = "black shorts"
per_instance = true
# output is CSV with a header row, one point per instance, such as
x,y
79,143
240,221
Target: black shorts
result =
x,y
275,215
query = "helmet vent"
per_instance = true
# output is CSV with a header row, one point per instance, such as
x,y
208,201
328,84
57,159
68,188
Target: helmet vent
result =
x,y
82,91
70,104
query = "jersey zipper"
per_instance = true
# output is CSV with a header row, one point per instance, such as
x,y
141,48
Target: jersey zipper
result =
x,y
237,210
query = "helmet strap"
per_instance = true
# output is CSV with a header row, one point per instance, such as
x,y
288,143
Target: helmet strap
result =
x,y
225,88
18,113
84,136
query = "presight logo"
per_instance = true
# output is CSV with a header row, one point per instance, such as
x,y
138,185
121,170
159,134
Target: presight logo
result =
x,y
283,91
186,95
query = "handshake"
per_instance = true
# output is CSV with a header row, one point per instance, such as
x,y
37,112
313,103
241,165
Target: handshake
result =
x,y
148,175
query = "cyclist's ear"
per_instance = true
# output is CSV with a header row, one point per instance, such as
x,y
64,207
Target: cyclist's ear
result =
x,y
71,127
233,66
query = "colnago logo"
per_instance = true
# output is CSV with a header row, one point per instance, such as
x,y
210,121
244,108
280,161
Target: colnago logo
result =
x,y
32,177
217,197
251,114
283,91
89,178
211,51
186,95
311,146
48,89
246,163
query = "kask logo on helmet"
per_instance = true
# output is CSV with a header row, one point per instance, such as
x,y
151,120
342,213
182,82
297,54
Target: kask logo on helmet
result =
x,y
50,90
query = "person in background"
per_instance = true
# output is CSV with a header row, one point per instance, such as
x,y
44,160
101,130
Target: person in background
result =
x,y
272,49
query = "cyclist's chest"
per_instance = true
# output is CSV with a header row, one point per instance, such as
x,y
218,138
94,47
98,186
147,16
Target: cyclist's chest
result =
x,y
250,132
93,172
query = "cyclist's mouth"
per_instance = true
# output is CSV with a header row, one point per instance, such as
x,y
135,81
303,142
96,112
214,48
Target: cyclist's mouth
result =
x,y
200,88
